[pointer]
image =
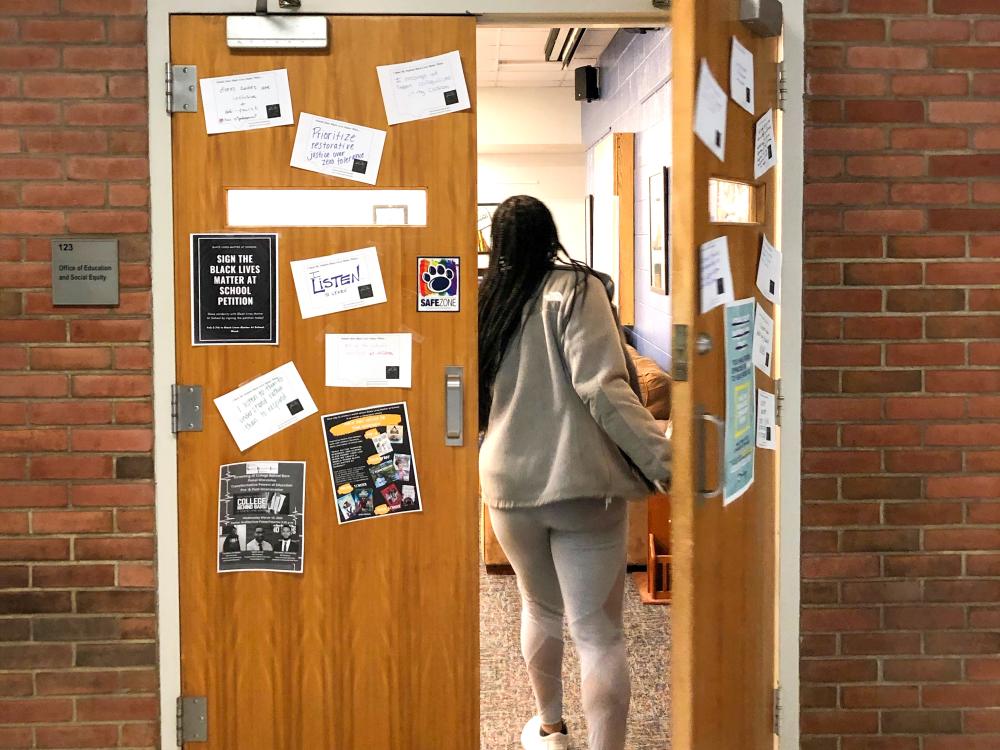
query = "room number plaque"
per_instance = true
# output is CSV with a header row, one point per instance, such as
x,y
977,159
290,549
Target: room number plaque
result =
x,y
84,271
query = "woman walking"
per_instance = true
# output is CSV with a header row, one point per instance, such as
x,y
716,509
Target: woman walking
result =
x,y
567,443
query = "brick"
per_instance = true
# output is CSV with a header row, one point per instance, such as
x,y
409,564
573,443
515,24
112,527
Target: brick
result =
x,y
10,141
19,58
913,30
924,300
925,617
961,434
135,521
856,696
923,565
63,195
118,494
97,222
32,168
66,141
15,629
966,57
880,488
14,684
886,166
984,406
986,192
922,670
117,708
110,330
841,408
887,6
835,721
883,381
880,592
35,710
984,247
112,385
69,412
12,468
887,58
64,86
922,139
845,193
31,602
927,246
964,487
880,540
128,195
986,84
846,30
32,656
75,575
113,548
19,221
950,193
137,576
956,381
961,591
961,643
925,354
976,272
887,644
840,566
889,110
135,141
67,466
951,84
927,461
105,7
884,220
825,166
75,629
74,522
963,327
29,495
983,460
882,274
107,168
849,140
922,722
841,462
77,683
117,655
883,327
827,355
133,412
104,58
78,736
105,113
985,512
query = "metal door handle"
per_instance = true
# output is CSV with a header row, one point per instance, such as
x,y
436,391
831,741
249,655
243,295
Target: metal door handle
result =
x,y
720,428
454,399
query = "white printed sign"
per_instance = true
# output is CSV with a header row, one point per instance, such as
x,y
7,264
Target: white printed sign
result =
x,y
763,340
710,112
765,420
765,150
423,88
247,102
342,281
376,360
716,275
338,149
741,76
769,272
265,406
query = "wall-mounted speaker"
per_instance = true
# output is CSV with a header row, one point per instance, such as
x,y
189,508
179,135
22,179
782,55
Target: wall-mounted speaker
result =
x,y
586,83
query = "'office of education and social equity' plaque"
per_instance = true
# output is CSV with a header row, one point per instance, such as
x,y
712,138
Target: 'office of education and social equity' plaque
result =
x,y
84,271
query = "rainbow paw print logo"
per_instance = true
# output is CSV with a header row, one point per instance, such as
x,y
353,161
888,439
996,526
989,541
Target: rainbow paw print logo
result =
x,y
437,284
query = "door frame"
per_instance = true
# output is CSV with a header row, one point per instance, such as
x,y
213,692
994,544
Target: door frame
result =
x,y
791,176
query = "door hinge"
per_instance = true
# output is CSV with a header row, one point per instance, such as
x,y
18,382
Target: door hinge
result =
x,y
182,88
185,408
777,402
679,353
782,84
777,710
192,719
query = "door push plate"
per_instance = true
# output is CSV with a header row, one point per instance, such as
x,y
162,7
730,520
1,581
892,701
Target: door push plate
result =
x,y
186,408
454,399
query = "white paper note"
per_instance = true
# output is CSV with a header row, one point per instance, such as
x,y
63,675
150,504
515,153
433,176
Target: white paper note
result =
x,y
716,276
741,76
337,148
765,152
247,102
376,360
763,340
765,420
342,281
769,272
265,406
423,88
710,112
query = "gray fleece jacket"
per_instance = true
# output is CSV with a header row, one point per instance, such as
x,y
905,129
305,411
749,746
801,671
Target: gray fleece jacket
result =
x,y
562,408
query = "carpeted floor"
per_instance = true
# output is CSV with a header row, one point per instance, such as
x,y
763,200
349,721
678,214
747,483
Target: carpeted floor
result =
x,y
505,697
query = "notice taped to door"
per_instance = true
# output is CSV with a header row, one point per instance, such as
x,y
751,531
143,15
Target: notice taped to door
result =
x,y
372,466
740,405
261,514
234,289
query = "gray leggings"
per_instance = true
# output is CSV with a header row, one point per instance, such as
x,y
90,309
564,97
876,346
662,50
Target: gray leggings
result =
x,y
572,554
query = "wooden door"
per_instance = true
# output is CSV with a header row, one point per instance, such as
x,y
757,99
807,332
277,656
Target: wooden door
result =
x,y
723,669
375,644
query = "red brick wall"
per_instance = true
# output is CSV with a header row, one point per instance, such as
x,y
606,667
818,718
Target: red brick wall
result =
x,y
77,598
901,466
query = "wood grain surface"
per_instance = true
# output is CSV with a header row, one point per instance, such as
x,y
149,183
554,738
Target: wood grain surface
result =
x,y
376,644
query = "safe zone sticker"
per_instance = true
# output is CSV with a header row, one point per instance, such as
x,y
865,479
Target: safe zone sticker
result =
x,y
437,284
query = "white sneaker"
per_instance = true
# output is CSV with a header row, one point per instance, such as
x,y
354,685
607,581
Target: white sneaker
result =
x,y
532,739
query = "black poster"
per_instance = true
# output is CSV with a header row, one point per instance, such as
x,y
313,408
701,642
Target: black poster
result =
x,y
372,466
234,289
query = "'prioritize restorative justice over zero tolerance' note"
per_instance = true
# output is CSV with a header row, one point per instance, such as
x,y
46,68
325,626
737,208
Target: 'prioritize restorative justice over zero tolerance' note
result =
x,y
338,149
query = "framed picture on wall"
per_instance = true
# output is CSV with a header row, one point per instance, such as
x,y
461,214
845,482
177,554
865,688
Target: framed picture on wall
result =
x,y
659,231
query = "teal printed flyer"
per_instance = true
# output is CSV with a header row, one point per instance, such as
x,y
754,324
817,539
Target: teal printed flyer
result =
x,y
740,406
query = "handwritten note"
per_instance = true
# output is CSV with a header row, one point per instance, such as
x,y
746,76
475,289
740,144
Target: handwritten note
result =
x,y
769,271
337,148
423,88
710,112
247,102
741,76
265,406
765,152
716,274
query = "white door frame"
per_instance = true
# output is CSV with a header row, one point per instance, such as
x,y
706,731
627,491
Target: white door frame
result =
x,y
164,340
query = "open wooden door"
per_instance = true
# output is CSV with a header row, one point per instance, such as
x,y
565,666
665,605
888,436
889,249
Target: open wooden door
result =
x,y
375,644
723,668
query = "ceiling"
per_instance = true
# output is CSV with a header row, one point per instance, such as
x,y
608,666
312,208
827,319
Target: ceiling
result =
x,y
515,57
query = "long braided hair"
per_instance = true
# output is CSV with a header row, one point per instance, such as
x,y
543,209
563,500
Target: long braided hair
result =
x,y
525,248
